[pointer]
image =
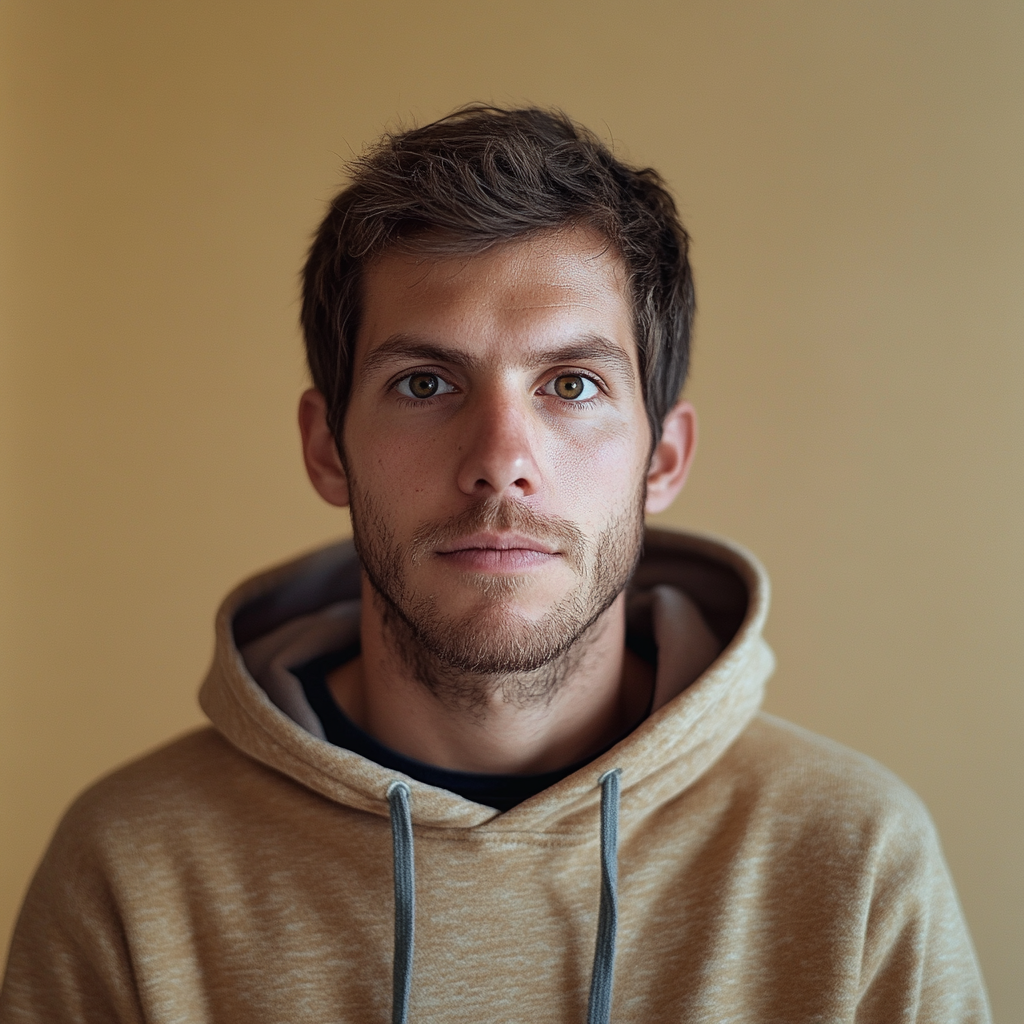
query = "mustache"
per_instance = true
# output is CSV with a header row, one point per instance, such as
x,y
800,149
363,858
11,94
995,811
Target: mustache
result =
x,y
510,516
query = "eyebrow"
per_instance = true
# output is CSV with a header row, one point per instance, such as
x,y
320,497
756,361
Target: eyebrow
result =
x,y
405,346
585,349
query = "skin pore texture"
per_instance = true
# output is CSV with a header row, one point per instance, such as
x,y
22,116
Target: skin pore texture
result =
x,y
497,465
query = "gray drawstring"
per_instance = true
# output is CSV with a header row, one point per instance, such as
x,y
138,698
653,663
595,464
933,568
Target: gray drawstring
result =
x,y
602,976
405,900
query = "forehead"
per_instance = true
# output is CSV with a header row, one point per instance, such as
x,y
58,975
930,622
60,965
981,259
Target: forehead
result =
x,y
513,299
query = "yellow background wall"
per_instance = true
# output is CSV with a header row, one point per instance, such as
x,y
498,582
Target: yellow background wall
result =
x,y
852,175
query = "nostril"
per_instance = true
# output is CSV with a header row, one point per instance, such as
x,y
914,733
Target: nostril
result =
x,y
522,485
497,465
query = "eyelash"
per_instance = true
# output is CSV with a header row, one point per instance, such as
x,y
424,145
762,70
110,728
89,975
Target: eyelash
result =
x,y
591,378
419,400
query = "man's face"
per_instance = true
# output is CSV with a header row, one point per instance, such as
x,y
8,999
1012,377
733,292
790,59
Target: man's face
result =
x,y
496,446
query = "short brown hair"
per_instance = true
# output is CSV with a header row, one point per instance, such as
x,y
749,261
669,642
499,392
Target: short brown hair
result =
x,y
485,175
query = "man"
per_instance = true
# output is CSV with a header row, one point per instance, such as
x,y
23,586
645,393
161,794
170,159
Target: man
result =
x,y
503,759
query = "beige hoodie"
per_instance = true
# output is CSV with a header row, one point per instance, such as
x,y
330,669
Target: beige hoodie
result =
x,y
243,873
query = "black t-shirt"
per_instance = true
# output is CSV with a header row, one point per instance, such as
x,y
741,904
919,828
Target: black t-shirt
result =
x,y
499,791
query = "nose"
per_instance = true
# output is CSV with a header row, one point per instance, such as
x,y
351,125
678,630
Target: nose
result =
x,y
499,448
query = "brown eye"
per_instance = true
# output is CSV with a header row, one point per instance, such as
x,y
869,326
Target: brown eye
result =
x,y
570,386
423,385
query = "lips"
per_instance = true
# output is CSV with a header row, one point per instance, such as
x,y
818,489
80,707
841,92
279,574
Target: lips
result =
x,y
497,553
499,536
497,542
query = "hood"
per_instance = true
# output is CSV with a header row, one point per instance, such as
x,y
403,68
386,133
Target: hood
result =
x,y
688,592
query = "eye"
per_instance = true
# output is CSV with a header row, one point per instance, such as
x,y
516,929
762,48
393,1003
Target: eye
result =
x,y
573,387
423,385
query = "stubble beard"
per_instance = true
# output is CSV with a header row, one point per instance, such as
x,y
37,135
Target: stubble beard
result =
x,y
468,660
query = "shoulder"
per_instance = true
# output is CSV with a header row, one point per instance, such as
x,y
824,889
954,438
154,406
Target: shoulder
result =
x,y
810,790
791,754
167,798
838,834
159,779
859,845
788,755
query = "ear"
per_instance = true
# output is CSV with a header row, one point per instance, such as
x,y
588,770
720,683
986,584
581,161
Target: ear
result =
x,y
319,449
672,456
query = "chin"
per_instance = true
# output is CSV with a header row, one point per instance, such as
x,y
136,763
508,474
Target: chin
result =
x,y
521,597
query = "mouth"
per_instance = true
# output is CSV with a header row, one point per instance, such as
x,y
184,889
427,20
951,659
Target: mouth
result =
x,y
497,552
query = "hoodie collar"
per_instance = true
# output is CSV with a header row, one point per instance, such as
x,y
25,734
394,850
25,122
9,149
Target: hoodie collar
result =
x,y
298,610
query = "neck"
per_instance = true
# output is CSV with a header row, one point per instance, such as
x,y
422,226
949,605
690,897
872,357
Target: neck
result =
x,y
519,723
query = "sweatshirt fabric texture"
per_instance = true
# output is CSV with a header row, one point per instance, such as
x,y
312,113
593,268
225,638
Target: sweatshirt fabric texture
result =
x,y
243,874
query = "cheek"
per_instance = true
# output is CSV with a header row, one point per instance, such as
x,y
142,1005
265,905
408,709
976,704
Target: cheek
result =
x,y
395,462
599,470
